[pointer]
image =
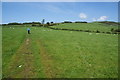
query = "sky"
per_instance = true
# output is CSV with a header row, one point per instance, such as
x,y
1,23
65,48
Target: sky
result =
x,y
59,11
60,0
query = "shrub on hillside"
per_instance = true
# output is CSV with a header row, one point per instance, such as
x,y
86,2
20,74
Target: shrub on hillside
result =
x,y
112,29
108,32
97,31
117,30
34,25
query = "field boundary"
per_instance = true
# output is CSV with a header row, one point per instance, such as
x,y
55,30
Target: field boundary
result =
x,y
82,30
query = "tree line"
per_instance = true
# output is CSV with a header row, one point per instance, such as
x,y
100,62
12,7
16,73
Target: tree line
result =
x,y
47,24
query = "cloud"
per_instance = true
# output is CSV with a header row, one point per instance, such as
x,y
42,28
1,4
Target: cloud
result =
x,y
82,15
103,18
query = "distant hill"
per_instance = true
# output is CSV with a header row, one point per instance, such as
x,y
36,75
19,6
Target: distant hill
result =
x,y
108,22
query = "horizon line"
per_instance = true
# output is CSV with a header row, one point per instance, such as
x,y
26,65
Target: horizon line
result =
x,y
60,22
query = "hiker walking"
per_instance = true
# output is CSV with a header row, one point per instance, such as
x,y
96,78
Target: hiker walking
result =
x,y
28,30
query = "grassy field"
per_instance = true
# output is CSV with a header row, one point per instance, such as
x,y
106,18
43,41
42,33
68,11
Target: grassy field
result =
x,y
0,52
89,26
47,53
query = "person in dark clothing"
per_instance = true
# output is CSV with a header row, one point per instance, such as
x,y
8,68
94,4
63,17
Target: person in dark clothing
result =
x,y
28,29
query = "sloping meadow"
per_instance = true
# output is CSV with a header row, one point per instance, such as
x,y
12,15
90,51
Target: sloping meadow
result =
x,y
64,54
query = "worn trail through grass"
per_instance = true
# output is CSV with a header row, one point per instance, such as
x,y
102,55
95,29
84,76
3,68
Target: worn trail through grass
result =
x,y
47,61
49,53
22,63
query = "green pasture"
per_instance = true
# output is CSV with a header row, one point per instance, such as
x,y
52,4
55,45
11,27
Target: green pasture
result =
x,y
60,54
87,26
0,51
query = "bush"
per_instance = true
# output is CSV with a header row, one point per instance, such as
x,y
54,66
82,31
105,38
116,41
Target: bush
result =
x,y
51,22
80,22
112,29
15,23
27,23
108,32
48,23
4,24
117,30
34,25
97,31
114,32
67,22
87,30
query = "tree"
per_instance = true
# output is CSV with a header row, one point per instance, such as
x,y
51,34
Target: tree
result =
x,y
51,22
48,23
15,23
67,22
112,29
